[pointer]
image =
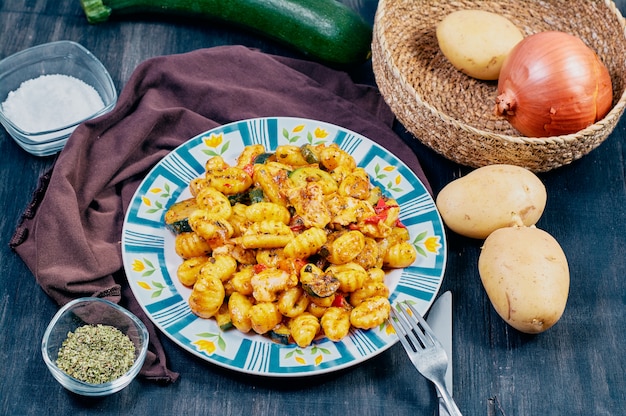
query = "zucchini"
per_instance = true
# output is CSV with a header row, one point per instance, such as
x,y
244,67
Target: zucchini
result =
x,y
280,334
240,198
263,158
256,195
316,283
325,30
248,197
224,321
309,154
177,216
301,176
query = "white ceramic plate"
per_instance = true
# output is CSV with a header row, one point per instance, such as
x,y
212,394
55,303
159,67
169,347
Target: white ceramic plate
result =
x,y
150,261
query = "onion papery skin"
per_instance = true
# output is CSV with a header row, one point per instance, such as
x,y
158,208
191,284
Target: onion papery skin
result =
x,y
552,84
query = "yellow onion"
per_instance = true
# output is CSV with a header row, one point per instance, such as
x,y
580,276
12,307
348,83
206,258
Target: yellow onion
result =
x,y
552,84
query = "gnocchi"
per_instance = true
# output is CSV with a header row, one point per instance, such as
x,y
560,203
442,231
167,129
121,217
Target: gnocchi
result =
x,y
264,316
346,247
304,328
188,270
306,244
207,297
297,240
239,306
229,180
370,313
336,323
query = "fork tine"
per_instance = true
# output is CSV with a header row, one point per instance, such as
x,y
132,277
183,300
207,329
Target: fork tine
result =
x,y
403,332
427,330
400,330
409,331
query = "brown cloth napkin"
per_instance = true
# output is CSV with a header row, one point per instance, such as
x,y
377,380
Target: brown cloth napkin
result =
x,y
70,234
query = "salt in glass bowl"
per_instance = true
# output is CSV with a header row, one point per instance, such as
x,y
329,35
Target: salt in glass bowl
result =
x,y
54,58
93,311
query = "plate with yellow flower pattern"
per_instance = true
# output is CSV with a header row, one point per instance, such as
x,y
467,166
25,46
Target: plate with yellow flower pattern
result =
x,y
151,263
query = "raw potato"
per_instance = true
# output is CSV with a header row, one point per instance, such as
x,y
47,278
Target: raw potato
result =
x,y
476,42
525,274
492,197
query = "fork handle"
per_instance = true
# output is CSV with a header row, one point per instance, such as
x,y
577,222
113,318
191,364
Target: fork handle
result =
x,y
451,406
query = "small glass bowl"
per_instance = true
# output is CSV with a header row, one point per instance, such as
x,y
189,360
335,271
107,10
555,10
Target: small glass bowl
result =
x,y
91,311
63,58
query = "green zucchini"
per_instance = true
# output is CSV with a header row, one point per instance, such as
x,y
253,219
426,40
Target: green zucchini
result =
x,y
240,198
316,283
280,334
309,154
248,197
325,30
263,158
301,176
224,321
256,195
177,216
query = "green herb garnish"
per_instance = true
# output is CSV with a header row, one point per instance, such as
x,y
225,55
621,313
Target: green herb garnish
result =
x,y
96,354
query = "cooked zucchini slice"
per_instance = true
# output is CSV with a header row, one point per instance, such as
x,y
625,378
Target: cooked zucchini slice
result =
x,y
301,176
177,216
240,198
316,283
309,154
256,195
263,158
280,334
223,317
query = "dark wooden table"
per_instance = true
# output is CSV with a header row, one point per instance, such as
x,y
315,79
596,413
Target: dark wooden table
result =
x,y
578,367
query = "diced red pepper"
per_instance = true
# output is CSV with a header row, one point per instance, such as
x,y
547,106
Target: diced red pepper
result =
x,y
296,227
339,301
375,219
380,206
296,224
249,169
258,268
381,209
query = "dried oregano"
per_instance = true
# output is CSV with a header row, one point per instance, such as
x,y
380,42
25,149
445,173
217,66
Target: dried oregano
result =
x,y
96,354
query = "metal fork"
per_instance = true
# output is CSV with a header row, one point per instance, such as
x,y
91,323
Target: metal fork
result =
x,y
424,350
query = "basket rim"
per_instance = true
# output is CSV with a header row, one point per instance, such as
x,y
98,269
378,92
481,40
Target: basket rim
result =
x,y
615,112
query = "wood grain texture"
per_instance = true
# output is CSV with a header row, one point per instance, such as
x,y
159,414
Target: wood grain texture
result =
x,y
577,367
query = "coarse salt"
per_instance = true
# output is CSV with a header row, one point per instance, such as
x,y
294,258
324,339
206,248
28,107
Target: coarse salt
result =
x,y
50,102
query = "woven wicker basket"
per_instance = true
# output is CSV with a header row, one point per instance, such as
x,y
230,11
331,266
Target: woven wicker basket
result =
x,y
453,113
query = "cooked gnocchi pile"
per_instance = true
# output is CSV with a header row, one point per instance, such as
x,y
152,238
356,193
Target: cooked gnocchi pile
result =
x,y
292,244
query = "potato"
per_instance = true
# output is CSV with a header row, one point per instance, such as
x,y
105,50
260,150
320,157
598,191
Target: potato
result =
x,y
525,274
476,41
492,197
